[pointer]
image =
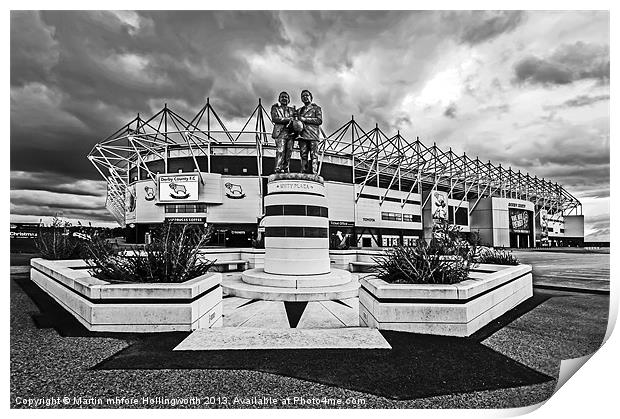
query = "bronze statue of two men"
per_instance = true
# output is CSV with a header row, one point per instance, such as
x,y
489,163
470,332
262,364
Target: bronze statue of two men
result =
x,y
301,125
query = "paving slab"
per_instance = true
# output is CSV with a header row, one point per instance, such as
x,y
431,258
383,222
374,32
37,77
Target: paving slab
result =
x,y
236,317
316,316
271,316
231,303
243,338
346,311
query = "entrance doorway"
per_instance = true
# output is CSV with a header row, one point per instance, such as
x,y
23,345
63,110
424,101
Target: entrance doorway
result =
x,y
520,240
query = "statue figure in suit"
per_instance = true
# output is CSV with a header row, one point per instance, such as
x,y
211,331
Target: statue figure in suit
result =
x,y
282,116
311,116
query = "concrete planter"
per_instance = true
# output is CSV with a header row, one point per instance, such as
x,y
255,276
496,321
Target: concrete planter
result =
x,y
454,310
255,257
354,259
106,307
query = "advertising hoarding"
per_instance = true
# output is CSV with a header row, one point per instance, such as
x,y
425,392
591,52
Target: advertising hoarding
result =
x,y
519,220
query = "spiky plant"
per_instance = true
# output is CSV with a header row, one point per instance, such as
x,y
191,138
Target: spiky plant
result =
x,y
56,242
420,264
498,257
172,256
445,260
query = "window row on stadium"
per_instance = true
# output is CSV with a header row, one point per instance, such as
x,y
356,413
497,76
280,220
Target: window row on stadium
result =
x,y
395,216
308,210
185,208
307,232
390,199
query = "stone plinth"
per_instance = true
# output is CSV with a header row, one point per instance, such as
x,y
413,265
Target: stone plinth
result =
x,y
240,288
259,277
296,226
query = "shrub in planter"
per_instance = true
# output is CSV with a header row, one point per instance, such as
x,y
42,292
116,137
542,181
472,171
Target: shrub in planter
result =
x,y
497,257
419,264
448,240
56,242
445,260
172,256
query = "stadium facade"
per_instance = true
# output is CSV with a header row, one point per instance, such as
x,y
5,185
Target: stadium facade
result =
x,y
382,189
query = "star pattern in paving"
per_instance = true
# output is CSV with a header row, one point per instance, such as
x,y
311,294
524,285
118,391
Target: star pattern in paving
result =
x,y
243,312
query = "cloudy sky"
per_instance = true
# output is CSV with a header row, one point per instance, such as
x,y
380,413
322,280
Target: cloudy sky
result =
x,y
526,89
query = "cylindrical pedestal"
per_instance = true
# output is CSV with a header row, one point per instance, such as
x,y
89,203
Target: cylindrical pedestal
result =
x,y
296,226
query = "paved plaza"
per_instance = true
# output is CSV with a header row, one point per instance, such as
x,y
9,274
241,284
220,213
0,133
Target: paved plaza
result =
x,y
512,362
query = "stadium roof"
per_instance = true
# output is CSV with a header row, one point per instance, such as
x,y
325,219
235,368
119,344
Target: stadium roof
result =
x,y
373,155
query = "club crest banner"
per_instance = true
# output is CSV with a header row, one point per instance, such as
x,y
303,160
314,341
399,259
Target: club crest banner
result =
x,y
178,188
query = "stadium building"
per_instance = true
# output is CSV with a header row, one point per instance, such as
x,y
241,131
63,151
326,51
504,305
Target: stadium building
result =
x,y
382,189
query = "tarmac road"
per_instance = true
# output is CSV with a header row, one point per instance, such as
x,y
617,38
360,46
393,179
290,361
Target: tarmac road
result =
x,y
568,270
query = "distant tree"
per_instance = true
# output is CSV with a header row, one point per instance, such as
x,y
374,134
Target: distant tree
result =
x,y
56,243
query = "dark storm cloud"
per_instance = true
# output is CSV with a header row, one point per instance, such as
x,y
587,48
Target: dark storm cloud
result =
x,y
587,181
76,77
103,71
567,64
450,111
33,48
54,182
584,100
71,205
539,71
576,102
56,200
101,59
601,232
100,214
572,155
480,26
599,226
564,151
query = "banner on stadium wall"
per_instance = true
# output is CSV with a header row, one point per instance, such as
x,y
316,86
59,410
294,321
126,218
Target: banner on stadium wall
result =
x,y
149,191
439,205
178,188
544,218
544,224
130,204
519,220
